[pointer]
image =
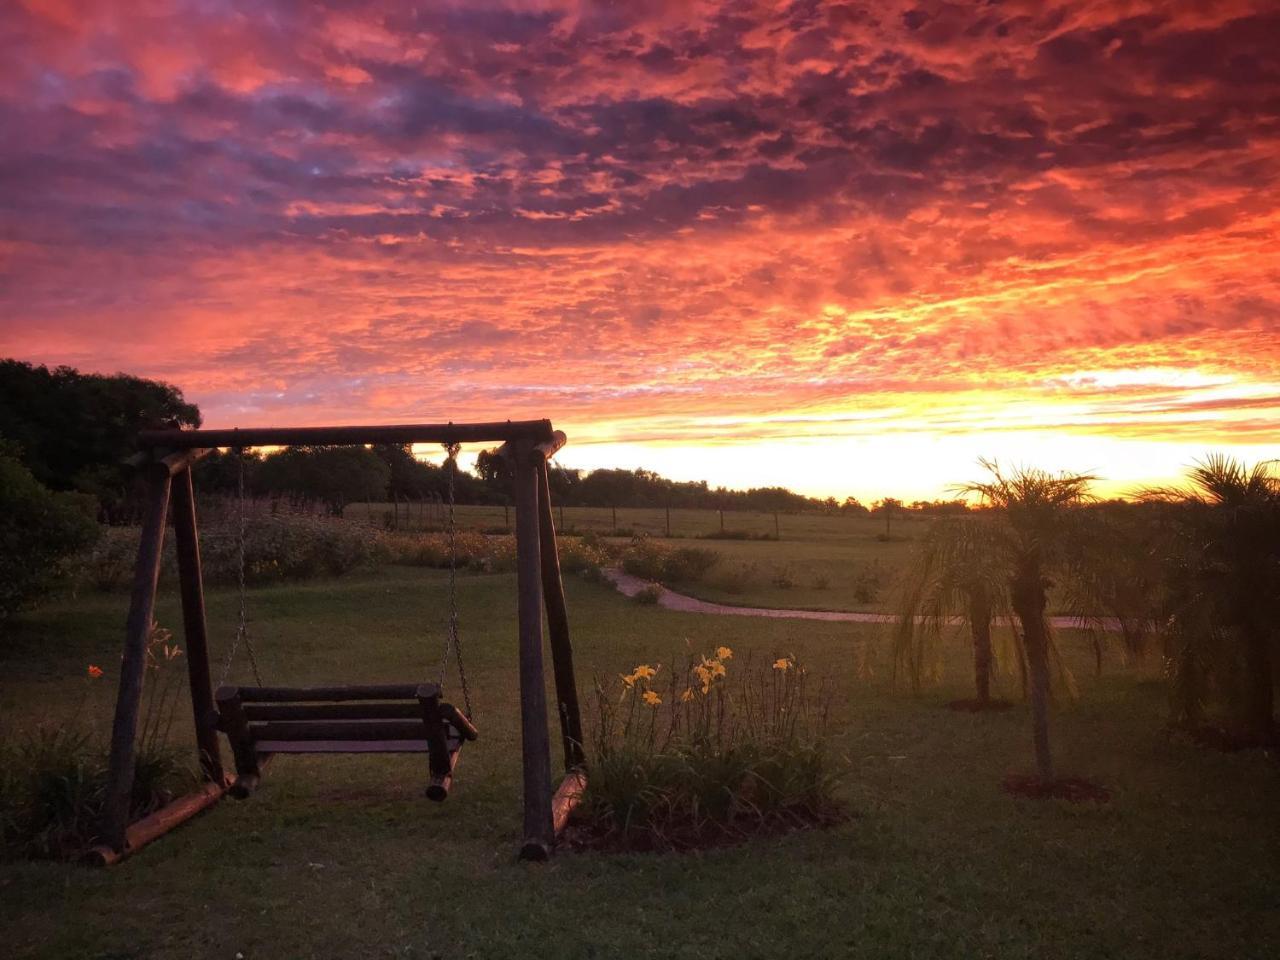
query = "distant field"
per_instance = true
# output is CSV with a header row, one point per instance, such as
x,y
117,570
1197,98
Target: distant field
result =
x,y
819,562
653,521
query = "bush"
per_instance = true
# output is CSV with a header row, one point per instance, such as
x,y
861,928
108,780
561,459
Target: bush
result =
x,y
648,595
53,782
40,532
650,560
284,547
53,776
868,581
585,555
474,551
715,759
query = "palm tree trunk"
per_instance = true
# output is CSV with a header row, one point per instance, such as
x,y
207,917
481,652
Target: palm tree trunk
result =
x,y
1261,694
1029,602
980,627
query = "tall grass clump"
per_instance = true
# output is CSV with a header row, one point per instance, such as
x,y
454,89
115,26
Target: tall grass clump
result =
x,y
53,776
650,560
473,551
586,555
277,548
714,755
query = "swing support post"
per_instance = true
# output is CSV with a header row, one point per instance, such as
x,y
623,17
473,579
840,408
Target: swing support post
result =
x,y
558,626
539,833
133,664
194,627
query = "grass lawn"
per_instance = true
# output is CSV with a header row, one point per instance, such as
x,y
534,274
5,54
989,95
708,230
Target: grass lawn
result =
x,y
341,857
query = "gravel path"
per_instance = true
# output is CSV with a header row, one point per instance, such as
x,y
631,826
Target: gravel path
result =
x,y
629,586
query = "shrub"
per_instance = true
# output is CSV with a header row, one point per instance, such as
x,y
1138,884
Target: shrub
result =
x,y
585,555
651,560
285,548
649,594
474,551
714,759
40,532
736,535
277,548
868,581
53,776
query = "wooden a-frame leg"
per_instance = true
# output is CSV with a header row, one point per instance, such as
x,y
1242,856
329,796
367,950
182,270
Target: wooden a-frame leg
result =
x,y
195,631
558,627
142,600
535,737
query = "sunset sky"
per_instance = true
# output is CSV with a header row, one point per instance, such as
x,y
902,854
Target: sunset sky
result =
x,y
844,247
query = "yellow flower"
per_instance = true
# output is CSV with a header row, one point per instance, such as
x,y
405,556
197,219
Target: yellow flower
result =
x,y
687,695
704,676
724,653
651,698
783,663
642,672
94,672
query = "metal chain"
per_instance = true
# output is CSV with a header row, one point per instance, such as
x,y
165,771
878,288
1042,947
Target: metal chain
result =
x,y
452,638
242,628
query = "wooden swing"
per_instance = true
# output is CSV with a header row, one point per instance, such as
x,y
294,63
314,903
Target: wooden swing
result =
x,y
261,721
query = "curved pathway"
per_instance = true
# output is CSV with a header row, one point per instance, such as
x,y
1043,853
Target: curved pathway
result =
x,y
629,586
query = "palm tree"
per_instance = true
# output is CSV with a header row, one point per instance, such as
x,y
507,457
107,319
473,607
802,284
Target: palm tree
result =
x,y
954,574
1114,581
1223,571
1034,512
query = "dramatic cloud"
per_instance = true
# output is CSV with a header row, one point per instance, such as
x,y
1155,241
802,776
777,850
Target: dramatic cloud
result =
x,y
909,233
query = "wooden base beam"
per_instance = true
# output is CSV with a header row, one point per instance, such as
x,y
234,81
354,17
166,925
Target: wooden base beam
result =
x,y
567,797
156,825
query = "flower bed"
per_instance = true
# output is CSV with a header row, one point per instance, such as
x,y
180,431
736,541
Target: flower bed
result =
x,y
713,755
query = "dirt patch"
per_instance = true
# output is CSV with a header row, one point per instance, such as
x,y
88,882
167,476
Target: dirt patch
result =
x,y
628,585
979,706
1071,789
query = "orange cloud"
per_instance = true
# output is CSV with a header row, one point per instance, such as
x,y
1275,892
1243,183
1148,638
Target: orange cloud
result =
x,y
671,227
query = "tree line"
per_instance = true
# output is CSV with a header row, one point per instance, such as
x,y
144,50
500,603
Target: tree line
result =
x,y
73,431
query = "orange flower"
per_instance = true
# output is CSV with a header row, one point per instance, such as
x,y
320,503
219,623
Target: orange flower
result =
x,y
94,672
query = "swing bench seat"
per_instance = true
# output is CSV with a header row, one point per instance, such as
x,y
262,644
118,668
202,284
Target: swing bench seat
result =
x,y
373,718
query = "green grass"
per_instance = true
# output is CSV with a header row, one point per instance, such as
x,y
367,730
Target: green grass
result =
x,y
342,857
